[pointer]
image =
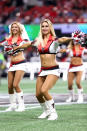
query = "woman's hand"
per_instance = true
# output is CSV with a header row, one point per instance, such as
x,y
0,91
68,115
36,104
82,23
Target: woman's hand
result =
x,y
62,50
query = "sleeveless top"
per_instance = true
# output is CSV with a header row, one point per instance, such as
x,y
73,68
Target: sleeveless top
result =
x,y
20,41
79,53
50,47
8,41
8,45
73,52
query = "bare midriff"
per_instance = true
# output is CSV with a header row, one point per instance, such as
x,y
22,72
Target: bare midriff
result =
x,y
17,57
76,61
48,60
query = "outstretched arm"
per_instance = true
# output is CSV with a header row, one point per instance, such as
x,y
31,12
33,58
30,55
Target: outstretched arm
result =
x,y
3,42
64,40
24,46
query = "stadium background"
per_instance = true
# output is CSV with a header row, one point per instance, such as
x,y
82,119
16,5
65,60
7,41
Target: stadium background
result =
x,y
66,16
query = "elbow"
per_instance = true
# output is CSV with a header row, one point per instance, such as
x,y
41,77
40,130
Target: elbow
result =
x,y
27,46
62,40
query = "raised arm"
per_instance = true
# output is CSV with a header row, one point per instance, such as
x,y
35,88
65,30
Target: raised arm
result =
x,y
64,40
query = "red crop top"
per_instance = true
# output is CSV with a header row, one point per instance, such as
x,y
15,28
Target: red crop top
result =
x,y
50,47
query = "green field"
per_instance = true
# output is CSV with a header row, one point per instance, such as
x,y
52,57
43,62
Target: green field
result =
x,y
28,86
71,117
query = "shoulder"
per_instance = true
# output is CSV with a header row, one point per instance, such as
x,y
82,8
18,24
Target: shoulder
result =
x,y
82,48
9,38
53,38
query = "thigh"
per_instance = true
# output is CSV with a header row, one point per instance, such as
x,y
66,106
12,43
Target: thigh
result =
x,y
71,76
78,76
11,75
39,83
18,76
49,82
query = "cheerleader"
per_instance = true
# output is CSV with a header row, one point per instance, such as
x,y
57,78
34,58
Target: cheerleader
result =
x,y
47,45
76,67
17,65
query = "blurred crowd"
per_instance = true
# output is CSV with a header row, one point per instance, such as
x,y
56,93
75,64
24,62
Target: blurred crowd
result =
x,y
32,11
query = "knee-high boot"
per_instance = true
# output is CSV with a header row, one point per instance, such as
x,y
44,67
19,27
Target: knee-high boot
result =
x,y
71,96
80,96
20,100
51,112
12,99
44,114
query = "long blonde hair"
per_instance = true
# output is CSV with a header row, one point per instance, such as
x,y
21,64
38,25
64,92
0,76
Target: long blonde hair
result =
x,y
40,36
20,28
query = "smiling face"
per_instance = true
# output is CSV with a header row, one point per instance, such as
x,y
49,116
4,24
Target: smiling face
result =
x,y
15,30
45,29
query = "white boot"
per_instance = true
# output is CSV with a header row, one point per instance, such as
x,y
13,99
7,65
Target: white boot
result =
x,y
20,102
80,96
71,96
51,112
13,105
44,114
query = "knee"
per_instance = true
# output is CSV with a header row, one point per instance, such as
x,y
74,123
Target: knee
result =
x,y
43,91
15,85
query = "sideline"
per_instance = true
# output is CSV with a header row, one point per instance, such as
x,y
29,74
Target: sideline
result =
x,y
35,106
